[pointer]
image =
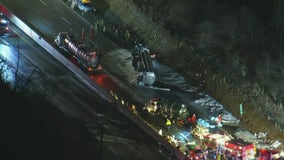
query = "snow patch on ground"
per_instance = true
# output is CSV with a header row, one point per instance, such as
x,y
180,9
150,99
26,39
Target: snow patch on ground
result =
x,y
170,78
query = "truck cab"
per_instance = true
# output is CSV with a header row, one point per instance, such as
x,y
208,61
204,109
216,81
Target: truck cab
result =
x,y
240,149
85,6
200,131
266,154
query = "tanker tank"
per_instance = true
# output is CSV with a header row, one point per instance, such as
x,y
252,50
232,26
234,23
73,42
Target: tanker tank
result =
x,y
85,55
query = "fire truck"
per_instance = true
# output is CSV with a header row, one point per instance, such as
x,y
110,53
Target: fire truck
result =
x,y
240,149
86,55
214,140
266,154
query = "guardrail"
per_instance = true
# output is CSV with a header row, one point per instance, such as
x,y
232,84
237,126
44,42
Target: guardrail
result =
x,y
91,84
123,107
56,54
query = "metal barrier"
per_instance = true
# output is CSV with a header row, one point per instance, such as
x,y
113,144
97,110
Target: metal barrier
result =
x,y
56,54
91,84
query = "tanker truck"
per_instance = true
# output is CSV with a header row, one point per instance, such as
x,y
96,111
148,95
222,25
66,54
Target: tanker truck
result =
x,y
86,55
141,61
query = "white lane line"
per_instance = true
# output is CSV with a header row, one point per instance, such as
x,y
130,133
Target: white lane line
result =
x,y
131,146
46,23
43,2
107,126
113,150
5,42
64,19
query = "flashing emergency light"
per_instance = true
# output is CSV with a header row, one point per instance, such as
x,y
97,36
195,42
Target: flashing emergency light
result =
x,y
86,1
4,21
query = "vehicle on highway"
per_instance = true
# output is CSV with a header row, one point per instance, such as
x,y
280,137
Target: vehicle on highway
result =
x,y
4,25
266,154
214,140
237,148
85,6
200,131
197,154
86,56
142,62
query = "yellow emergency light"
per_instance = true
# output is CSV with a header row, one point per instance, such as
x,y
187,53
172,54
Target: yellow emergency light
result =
x,y
86,1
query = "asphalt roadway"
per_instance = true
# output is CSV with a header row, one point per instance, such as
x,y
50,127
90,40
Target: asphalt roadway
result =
x,y
82,111
142,94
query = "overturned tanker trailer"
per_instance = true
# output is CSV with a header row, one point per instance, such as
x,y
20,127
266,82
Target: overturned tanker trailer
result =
x,y
142,62
86,55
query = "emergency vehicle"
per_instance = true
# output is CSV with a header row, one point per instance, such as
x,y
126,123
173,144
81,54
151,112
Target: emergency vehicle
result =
x,y
214,140
200,131
83,5
266,154
240,149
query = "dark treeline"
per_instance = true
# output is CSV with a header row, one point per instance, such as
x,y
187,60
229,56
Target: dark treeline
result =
x,y
239,41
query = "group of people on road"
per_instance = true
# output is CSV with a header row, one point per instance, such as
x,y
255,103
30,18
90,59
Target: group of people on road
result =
x,y
192,120
118,32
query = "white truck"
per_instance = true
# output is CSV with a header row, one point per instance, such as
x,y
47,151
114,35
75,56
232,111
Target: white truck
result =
x,y
83,5
141,61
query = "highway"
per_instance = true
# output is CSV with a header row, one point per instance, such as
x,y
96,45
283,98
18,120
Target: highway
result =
x,y
48,21
42,74
50,18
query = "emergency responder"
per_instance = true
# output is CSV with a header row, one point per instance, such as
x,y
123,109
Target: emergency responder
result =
x,y
188,119
96,26
219,120
193,119
127,35
168,124
180,121
83,34
116,30
91,32
104,28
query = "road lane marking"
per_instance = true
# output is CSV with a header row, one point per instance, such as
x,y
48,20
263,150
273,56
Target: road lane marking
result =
x,y
65,4
107,126
65,20
113,150
131,146
43,2
5,42
46,23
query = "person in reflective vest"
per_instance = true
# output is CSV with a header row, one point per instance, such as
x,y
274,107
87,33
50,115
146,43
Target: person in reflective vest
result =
x,y
219,120
168,123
